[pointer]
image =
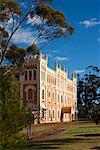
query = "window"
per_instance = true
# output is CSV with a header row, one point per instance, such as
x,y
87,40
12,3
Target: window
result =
x,y
30,94
49,94
53,114
49,113
65,99
61,99
75,104
34,75
34,91
30,75
43,94
42,112
68,100
25,75
53,96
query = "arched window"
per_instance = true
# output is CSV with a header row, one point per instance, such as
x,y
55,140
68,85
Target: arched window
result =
x,y
43,94
34,91
30,94
49,94
49,113
65,99
61,99
53,114
34,75
25,75
30,75
53,96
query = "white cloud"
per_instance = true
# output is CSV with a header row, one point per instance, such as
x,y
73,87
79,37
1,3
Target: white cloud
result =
x,y
51,51
90,23
79,71
59,58
10,21
98,39
55,51
35,20
23,36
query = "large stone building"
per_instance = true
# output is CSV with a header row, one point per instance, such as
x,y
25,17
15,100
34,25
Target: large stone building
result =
x,y
48,92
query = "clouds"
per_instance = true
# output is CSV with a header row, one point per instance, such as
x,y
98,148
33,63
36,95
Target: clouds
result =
x,y
60,58
23,36
55,51
79,71
98,39
90,23
35,20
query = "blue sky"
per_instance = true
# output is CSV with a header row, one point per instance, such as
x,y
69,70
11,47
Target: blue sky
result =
x,y
83,48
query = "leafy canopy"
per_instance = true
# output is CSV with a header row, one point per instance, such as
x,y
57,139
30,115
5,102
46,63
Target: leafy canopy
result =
x,y
88,92
46,24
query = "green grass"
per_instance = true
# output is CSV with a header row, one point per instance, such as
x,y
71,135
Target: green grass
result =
x,y
63,136
73,136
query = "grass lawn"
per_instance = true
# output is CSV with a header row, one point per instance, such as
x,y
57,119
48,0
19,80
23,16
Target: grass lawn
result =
x,y
64,136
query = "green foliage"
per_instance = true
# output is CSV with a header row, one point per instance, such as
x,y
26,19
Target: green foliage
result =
x,y
15,55
13,115
8,8
4,33
33,49
53,25
88,92
53,17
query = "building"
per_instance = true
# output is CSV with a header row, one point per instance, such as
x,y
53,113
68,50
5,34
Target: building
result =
x,y
48,92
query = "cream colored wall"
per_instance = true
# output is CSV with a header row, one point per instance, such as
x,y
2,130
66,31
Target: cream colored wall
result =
x,y
57,82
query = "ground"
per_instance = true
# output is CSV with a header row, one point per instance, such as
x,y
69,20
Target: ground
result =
x,y
63,136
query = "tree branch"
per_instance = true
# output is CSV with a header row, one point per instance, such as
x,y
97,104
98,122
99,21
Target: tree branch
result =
x,y
13,34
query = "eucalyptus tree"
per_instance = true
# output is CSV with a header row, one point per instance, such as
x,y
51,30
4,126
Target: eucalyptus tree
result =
x,y
88,92
46,25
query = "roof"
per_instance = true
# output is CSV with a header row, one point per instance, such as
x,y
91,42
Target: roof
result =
x,y
66,110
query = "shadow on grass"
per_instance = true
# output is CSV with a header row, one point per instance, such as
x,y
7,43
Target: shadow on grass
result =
x,y
50,144
45,144
89,135
96,148
53,144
